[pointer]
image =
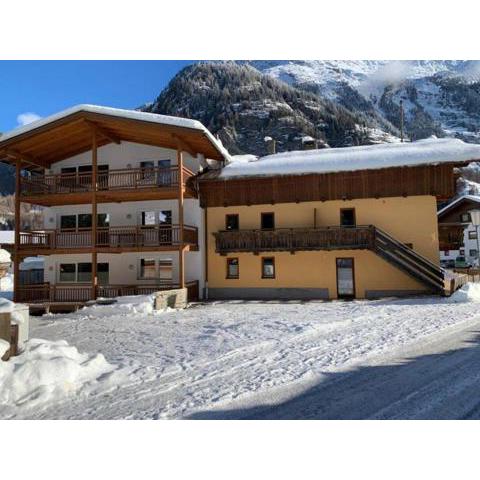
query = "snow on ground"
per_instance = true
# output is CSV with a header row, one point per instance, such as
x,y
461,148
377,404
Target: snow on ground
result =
x,y
47,371
6,286
178,364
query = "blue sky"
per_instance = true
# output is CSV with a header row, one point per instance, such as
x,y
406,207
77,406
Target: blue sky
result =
x,y
40,88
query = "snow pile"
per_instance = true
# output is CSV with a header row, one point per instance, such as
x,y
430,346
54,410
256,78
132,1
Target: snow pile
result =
x,y
6,306
4,256
422,152
135,304
6,283
7,236
468,293
4,346
47,371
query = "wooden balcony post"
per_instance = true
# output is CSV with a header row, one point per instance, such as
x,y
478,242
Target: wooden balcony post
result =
x,y
181,251
94,214
18,226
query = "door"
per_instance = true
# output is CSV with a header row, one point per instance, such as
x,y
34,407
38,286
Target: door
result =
x,y
345,278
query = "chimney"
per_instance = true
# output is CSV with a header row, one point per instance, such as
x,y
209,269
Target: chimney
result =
x,y
271,145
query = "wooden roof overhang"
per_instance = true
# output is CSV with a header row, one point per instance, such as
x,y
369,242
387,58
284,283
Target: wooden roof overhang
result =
x,y
426,179
39,147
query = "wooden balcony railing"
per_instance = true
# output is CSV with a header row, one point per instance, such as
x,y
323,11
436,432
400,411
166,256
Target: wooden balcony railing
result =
x,y
111,237
82,292
123,179
295,239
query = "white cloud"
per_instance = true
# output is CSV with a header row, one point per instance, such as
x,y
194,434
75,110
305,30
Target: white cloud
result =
x,y
27,117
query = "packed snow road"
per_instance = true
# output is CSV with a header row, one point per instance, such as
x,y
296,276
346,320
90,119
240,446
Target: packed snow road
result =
x,y
416,358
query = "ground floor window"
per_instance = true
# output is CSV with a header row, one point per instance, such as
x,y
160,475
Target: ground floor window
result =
x,y
82,273
472,235
152,268
232,268
473,253
67,272
268,267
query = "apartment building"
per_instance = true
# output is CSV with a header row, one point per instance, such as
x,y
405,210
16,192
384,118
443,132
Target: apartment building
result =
x,y
122,214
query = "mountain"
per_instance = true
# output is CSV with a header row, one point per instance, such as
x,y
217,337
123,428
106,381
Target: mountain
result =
x,y
440,98
242,106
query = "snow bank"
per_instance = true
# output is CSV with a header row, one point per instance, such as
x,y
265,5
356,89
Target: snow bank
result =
x,y
6,283
4,346
47,371
422,152
135,304
468,293
4,256
6,306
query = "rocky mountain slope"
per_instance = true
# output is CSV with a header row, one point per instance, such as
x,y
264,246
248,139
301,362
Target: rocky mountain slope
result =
x,y
440,97
243,106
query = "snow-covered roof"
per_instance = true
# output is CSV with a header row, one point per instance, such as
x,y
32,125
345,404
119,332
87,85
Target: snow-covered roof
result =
x,y
422,152
118,112
472,198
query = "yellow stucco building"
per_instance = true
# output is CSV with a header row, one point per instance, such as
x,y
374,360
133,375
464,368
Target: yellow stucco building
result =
x,y
277,231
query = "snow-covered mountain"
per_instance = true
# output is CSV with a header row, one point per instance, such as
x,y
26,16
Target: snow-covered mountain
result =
x,y
440,97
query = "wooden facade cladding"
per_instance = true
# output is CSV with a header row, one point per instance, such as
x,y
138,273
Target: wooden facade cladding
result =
x,y
437,180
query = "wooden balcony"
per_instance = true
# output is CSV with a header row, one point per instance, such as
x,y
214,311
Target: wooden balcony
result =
x,y
111,239
295,239
81,293
112,186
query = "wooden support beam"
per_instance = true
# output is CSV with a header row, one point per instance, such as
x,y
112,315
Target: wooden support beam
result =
x,y
183,145
181,251
94,213
18,226
25,158
103,132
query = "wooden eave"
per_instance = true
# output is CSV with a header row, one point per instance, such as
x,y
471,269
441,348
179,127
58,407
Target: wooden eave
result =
x,y
72,135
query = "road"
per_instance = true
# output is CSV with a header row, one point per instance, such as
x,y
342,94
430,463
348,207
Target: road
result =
x,y
436,380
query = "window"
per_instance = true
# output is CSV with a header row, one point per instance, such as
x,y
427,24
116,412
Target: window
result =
x,y
465,217
231,222
345,278
147,268
84,272
67,272
147,170
462,252
232,268
165,217
347,217
103,220
148,218
164,163
472,235
446,253
268,221
165,269
268,267
473,253
103,270
85,221
68,222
